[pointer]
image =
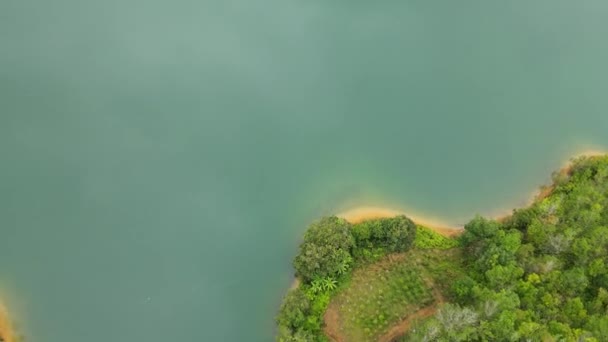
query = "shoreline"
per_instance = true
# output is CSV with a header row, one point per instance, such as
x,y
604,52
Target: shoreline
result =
x,y
7,332
362,213
358,214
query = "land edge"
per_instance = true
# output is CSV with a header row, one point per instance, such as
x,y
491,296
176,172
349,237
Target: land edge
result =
x,y
8,334
364,213
7,329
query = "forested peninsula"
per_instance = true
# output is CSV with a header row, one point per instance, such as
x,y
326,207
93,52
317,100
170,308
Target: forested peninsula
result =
x,y
540,274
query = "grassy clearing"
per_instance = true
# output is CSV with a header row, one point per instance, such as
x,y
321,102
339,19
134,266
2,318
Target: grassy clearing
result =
x,y
383,294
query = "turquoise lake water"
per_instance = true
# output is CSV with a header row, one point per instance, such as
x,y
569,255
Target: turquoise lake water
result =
x,y
161,160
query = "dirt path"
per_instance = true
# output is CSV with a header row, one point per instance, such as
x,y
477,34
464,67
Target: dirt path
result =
x,y
332,324
403,327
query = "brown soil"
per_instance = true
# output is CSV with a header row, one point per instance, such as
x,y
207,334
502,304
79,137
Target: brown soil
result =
x,y
403,327
332,323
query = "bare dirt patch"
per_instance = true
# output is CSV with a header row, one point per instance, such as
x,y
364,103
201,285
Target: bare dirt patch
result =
x,y
332,323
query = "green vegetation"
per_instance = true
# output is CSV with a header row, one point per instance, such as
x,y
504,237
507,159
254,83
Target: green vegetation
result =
x,y
382,294
301,316
324,263
379,297
326,249
376,238
429,239
539,275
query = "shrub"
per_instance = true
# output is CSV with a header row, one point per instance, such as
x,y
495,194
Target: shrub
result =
x,y
325,251
301,316
294,310
391,234
429,239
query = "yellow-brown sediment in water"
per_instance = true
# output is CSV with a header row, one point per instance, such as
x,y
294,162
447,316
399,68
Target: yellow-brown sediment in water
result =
x,y
7,332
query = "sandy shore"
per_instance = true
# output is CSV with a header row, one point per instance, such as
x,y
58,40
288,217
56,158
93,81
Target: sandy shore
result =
x,y
369,212
359,214
7,332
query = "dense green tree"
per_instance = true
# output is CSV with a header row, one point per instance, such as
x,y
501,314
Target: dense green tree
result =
x,y
502,328
463,290
598,326
552,256
500,277
391,235
478,230
325,250
294,311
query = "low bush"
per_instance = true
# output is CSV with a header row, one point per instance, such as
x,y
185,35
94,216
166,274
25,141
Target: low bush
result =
x,y
429,239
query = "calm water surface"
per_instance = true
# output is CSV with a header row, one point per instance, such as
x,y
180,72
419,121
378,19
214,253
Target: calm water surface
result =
x,y
160,160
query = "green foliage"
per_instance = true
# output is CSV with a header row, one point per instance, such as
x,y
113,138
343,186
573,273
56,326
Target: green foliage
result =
x,y
478,230
457,322
294,311
325,251
325,260
549,258
429,239
389,235
301,315
379,296
462,290
452,323
539,275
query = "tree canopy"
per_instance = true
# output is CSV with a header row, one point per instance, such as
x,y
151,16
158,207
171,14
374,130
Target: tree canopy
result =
x,y
325,250
539,275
